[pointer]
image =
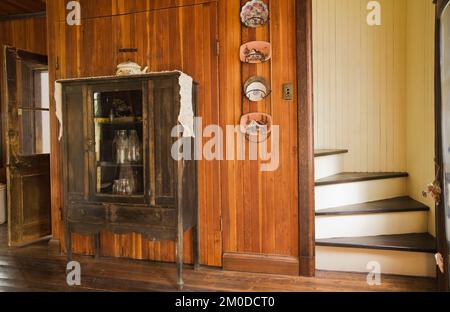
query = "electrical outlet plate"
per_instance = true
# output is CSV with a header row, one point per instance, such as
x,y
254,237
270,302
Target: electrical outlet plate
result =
x,y
288,92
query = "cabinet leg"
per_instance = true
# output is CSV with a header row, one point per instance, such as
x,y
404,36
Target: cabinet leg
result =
x,y
179,256
196,248
97,245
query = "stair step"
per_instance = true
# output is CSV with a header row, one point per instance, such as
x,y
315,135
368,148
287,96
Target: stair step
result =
x,y
337,195
400,204
329,152
371,224
361,260
329,163
351,177
422,242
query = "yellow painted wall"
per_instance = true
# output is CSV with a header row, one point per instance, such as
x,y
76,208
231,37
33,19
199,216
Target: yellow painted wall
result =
x,y
374,87
420,99
359,73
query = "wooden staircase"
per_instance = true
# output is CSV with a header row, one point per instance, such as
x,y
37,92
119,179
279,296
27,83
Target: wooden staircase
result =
x,y
351,177
422,242
399,204
365,217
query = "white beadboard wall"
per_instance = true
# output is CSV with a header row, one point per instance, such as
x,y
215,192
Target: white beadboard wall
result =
x,y
374,87
420,100
359,83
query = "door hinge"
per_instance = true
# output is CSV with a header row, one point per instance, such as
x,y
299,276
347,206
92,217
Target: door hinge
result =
x,y
218,47
61,214
57,63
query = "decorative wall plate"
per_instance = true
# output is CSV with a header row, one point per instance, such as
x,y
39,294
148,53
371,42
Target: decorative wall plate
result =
x,y
256,89
256,126
254,14
256,52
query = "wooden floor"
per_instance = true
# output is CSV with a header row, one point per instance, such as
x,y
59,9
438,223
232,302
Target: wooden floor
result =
x,y
33,269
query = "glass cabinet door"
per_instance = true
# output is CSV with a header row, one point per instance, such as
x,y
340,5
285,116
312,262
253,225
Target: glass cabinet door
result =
x,y
119,150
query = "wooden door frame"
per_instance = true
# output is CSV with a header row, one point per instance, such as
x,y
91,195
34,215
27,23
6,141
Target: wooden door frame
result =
x,y
442,244
306,204
14,160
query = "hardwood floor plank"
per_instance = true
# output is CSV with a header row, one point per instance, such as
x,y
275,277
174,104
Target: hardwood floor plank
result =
x,y
33,269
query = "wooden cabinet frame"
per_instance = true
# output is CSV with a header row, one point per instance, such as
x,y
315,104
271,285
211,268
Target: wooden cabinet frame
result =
x,y
154,215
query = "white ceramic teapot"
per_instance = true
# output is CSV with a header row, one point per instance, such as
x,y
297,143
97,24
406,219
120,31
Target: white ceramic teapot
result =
x,y
130,68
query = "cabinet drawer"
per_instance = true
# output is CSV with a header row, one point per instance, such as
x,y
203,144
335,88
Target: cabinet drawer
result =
x,y
143,216
94,214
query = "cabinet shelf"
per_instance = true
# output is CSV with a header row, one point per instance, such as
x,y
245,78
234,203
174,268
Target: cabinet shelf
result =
x,y
111,195
118,121
106,164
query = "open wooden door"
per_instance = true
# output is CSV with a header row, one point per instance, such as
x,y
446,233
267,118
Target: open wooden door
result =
x,y
28,146
442,111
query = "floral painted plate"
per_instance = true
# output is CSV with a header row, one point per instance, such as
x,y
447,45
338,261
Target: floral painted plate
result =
x,y
257,127
254,14
256,52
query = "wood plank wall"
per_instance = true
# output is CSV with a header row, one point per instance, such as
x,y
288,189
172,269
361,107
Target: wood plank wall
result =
x,y
28,34
167,39
360,83
259,210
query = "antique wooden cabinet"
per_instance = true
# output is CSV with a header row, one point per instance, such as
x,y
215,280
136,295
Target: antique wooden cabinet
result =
x,y
119,174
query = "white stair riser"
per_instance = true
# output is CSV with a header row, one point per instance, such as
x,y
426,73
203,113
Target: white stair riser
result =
x,y
371,224
336,195
328,165
391,262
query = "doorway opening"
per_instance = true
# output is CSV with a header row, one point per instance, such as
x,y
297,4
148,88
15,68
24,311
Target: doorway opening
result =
x,y
26,111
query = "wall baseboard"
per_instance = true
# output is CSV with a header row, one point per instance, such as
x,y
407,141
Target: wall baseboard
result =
x,y
254,263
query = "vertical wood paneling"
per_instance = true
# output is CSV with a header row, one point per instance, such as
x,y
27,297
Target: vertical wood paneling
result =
x,y
259,210
420,99
359,81
230,92
377,84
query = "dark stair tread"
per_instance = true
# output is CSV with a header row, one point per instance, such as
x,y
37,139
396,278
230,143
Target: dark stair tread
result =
x,y
350,177
400,204
422,242
329,152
